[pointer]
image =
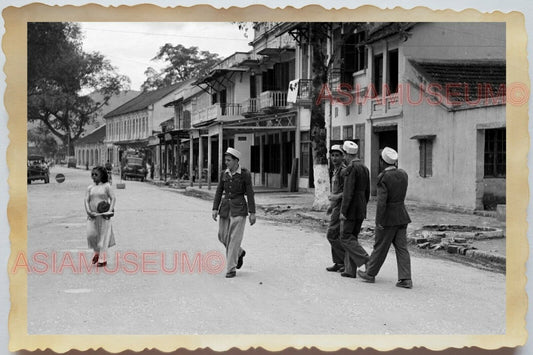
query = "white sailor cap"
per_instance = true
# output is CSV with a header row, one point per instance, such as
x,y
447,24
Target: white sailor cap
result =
x,y
336,147
234,153
350,147
389,155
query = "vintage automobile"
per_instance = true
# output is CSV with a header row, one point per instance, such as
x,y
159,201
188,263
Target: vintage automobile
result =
x,y
38,169
133,166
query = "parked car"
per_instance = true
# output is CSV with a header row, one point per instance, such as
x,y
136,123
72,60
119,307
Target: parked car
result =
x,y
38,169
71,162
134,167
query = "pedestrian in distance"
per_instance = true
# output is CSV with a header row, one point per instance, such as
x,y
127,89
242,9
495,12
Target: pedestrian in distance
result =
x,y
356,194
109,168
232,208
391,221
337,183
100,207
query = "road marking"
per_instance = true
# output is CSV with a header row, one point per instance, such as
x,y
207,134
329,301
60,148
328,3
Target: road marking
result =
x,y
77,290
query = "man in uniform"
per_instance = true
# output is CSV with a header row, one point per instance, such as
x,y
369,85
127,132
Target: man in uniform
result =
x,y
391,221
337,183
234,182
353,210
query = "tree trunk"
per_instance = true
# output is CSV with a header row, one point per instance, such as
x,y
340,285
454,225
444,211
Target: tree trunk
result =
x,y
318,133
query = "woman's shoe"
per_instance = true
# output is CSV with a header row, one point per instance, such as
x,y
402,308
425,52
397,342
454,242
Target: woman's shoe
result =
x,y
95,258
102,264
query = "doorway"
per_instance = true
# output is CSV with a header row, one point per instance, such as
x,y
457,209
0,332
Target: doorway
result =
x,y
382,136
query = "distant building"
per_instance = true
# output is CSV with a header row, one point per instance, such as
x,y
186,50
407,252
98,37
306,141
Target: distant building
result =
x,y
135,125
90,150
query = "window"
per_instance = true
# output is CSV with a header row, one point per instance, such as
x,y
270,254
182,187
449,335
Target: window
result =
x,y
347,132
393,71
359,108
495,152
305,154
426,157
347,110
336,133
378,73
336,111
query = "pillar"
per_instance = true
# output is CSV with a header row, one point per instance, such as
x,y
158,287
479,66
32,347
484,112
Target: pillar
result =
x,y
200,159
191,157
209,151
220,148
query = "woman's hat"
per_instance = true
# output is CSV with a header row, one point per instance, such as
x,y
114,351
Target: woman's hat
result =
x,y
103,206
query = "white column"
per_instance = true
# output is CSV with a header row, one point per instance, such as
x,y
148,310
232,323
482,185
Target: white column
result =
x,y
220,150
200,159
191,157
209,151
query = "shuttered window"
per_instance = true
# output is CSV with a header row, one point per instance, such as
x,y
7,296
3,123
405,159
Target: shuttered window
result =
x,y
426,157
495,152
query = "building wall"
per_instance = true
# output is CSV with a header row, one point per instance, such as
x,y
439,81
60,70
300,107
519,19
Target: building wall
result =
x,y
456,152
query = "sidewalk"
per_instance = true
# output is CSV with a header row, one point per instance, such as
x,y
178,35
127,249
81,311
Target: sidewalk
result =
x,y
486,247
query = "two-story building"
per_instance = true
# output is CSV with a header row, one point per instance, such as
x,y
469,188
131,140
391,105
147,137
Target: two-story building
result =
x,y
433,91
135,125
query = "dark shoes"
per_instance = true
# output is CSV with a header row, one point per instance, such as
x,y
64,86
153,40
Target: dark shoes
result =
x,y
405,284
347,274
101,264
95,258
335,268
239,262
231,274
366,277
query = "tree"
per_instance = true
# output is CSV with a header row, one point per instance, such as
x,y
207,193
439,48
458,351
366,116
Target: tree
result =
x,y
59,71
41,138
183,64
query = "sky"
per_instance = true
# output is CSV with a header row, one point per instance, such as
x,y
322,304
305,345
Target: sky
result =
x,y
130,46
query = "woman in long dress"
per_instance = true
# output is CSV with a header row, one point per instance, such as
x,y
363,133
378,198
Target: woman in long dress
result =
x,y
99,229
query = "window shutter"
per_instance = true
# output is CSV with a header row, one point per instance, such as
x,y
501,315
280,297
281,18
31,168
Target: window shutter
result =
x,y
422,159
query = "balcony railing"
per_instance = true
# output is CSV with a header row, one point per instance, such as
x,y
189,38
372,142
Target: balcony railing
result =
x,y
217,110
388,105
273,99
250,106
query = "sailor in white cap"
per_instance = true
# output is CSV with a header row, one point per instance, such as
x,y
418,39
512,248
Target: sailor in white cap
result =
x,y
353,210
391,221
337,183
234,182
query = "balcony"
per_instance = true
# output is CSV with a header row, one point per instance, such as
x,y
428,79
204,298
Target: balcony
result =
x,y
386,106
271,101
212,112
250,106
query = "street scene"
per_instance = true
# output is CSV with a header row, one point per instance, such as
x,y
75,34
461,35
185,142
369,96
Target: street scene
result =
x,y
266,178
282,288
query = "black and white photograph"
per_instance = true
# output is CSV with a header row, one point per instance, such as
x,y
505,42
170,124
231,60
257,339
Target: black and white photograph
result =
x,y
273,178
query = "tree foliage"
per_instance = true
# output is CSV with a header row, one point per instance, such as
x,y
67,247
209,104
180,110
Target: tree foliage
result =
x,y
42,139
182,64
59,72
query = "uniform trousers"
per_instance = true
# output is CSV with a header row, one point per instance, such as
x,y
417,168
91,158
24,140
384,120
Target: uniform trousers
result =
x,y
230,233
355,254
397,236
333,235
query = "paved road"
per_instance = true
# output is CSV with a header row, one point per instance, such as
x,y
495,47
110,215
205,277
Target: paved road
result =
x,y
282,288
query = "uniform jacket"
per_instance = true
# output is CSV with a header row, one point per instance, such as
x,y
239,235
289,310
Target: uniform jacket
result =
x,y
337,184
234,187
356,191
392,187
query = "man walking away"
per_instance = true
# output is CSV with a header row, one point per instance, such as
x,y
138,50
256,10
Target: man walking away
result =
x,y
353,210
391,221
337,183
234,182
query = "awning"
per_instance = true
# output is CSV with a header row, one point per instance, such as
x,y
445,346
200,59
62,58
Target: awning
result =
x,y
424,136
